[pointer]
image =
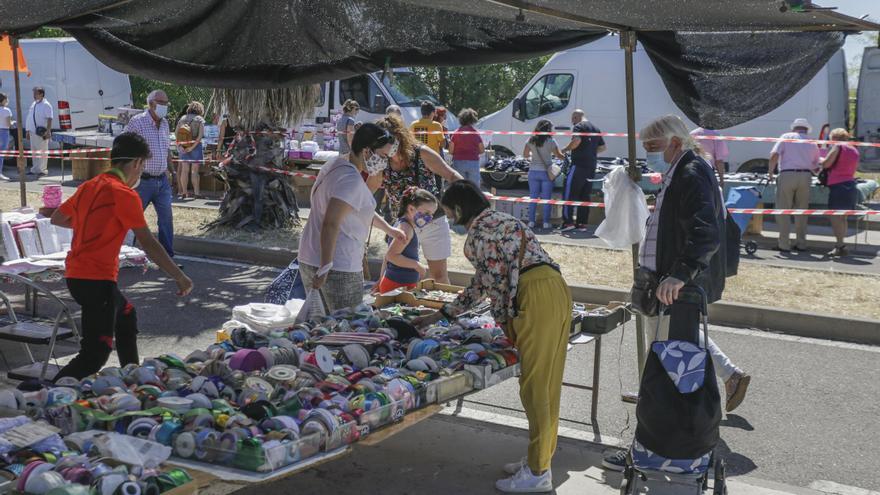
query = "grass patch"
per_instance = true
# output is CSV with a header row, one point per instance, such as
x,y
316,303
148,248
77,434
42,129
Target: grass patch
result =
x,y
788,288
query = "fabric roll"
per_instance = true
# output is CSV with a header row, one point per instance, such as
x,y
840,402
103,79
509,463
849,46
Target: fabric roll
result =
x,y
48,236
10,248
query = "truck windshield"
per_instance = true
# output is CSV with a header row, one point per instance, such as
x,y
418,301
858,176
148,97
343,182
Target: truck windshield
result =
x,y
407,89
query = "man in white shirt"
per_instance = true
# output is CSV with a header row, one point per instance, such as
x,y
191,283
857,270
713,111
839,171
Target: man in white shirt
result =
x,y
797,162
39,117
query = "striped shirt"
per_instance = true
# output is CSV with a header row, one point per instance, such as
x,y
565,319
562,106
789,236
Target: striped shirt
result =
x,y
157,138
648,251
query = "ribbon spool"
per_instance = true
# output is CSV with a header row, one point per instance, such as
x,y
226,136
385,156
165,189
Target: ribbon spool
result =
x,y
205,440
199,401
247,360
185,445
128,488
29,470
323,359
357,355
179,405
281,374
255,389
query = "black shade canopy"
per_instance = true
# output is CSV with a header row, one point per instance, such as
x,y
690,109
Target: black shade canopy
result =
x,y
737,73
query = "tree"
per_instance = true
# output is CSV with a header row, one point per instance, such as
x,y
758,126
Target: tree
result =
x,y
485,88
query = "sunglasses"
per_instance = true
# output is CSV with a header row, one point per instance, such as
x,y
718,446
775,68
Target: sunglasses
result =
x,y
382,140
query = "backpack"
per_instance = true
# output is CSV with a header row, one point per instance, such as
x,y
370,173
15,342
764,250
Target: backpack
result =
x,y
183,133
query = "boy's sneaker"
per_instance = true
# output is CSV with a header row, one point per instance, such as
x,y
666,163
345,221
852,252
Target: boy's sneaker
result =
x,y
548,226
524,481
567,227
615,461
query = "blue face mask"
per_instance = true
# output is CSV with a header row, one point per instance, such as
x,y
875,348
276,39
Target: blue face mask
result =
x,y
422,219
656,162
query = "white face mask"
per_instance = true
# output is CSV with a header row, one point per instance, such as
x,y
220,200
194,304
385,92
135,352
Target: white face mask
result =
x,y
375,164
161,111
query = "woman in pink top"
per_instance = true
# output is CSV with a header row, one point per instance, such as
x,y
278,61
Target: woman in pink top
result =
x,y
841,163
466,148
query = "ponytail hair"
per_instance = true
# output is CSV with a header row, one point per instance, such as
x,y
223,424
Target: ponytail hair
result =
x,y
415,197
544,125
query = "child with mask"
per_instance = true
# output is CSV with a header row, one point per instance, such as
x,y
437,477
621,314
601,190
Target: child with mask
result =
x,y
402,267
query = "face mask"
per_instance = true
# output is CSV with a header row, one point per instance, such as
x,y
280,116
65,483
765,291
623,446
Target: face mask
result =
x,y
656,162
375,164
394,148
422,219
161,111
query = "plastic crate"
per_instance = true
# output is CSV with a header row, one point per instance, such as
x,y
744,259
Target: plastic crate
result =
x,y
448,387
264,458
484,377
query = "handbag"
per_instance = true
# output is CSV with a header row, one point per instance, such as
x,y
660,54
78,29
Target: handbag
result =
x,y
38,129
643,294
823,174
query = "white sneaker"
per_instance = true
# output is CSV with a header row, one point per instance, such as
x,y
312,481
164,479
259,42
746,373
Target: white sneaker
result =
x,y
526,482
3,177
514,467
531,225
547,226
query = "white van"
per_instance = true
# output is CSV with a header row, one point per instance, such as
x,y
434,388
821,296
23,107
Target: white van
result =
x,y
374,93
868,108
591,77
74,80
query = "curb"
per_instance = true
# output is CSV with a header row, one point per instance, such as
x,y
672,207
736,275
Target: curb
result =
x,y
802,324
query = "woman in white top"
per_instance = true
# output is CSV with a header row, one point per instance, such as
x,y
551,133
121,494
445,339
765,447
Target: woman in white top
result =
x,y
5,125
342,211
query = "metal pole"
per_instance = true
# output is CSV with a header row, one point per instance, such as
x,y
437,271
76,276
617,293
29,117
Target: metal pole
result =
x,y
628,43
13,42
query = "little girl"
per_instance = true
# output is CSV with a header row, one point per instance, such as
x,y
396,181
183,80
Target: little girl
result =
x,y
402,267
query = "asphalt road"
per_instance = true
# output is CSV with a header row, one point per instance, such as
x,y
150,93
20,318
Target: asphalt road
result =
x,y
810,414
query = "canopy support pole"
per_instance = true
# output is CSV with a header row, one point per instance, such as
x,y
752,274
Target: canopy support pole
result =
x,y
22,161
628,43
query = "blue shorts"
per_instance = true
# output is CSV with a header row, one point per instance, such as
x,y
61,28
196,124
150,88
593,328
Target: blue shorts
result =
x,y
843,196
195,154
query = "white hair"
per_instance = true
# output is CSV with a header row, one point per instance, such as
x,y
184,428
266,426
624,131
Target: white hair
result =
x,y
153,94
668,127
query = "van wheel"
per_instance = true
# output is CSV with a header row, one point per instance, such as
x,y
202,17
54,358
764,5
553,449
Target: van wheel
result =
x,y
755,165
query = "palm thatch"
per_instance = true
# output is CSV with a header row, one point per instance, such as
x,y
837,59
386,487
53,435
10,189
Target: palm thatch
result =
x,y
274,107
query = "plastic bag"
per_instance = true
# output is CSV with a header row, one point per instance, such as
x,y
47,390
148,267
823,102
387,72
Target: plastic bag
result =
x,y
286,286
626,211
131,450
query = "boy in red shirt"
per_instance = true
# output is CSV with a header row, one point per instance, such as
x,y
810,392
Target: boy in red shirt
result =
x,y
100,213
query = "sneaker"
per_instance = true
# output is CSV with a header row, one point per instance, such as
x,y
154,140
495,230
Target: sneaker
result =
x,y
531,225
615,461
567,227
837,252
3,177
514,467
524,481
736,387
547,226
582,228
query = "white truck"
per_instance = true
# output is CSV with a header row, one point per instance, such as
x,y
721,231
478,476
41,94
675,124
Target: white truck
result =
x,y
78,86
591,77
374,93
868,108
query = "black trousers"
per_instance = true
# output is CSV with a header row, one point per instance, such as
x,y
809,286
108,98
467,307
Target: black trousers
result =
x,y
578,188
105,314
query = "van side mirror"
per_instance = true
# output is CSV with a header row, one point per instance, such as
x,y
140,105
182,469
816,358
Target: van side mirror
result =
x,y
517,108
380,103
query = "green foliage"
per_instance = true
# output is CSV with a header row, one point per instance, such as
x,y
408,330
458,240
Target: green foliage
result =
x,y
485,88
178,96
47,32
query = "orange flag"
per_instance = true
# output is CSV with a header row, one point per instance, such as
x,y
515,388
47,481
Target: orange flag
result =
x,y
6,57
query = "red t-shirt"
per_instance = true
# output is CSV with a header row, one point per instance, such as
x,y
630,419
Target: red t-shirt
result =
x,y
467,146
102,211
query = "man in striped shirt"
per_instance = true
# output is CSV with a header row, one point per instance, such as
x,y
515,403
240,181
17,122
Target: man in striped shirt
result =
x,y
154,186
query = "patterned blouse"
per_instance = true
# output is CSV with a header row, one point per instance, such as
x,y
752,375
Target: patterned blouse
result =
x,y
417,174
493,247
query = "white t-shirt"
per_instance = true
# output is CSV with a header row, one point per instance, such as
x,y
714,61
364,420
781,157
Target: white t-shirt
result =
x,y
5,115
38,115
341,180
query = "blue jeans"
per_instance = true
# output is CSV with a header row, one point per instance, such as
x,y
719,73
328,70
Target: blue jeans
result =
x,y
469,169
4,143
158,192
540,187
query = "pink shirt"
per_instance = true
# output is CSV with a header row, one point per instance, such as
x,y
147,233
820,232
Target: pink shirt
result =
x,y
716,150
467,146
845,165
796,156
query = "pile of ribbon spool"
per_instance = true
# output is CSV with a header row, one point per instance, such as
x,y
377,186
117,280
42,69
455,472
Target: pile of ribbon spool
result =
x,y
261,401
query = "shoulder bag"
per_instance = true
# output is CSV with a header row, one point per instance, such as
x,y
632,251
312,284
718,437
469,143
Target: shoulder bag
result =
x,y
823,174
